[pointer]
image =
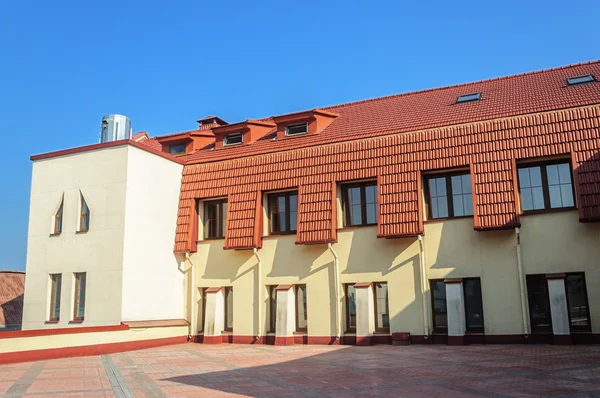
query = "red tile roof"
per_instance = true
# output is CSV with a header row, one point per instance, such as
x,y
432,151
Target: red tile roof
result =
x,y
518,117
12,288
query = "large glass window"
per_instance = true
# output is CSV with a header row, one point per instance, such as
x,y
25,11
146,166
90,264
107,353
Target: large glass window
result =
x,y
301,313
360,203
546,186
473,304
283,212
272,308
382,311
79,310
539,303
449,195
215,217
577,299
438,302
350,292
229,308
55,290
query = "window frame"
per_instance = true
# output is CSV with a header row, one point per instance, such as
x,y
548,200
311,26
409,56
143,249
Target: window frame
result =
x,y
221,216
227,137
286,194
349,328
272,289
571,81
377,328
579,329
536,329
287,134
179,144
437,328
226,309
296,288
83,216
471,97
59,218
76,290
545,186
449,195
53,286
347,214
467,328
203,314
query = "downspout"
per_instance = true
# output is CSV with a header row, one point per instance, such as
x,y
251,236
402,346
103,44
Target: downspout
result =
x,y
424,286
259,290
522,284
338,311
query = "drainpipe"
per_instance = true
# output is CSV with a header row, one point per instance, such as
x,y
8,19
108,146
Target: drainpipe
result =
x,y
338,310
424,286
522,283
259,290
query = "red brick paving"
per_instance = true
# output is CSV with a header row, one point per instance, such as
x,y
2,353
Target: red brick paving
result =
x,y
194,370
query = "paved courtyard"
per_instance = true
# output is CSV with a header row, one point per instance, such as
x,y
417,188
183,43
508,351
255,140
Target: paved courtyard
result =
x,y
194,370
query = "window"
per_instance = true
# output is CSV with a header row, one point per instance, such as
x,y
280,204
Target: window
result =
x,y
177,149
55,288
233,139
440,311
84,217
215,217
272,308
577,301
283,212
301,313
296,129
449,195
473,304
58,218
360,203
229,309
350,292
539,303
382,311
546,186
79,307
468,98
203,314
573,81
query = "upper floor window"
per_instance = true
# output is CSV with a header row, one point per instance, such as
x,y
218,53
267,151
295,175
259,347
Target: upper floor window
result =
x,y
382,311
283,212
58,218
79,302
215,216
546,186
55,290
296,129
84,217
360,203
573,81
468,98
177,149
449,195
233,139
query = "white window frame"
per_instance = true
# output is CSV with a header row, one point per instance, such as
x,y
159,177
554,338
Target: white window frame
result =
x,y
294,125
225,139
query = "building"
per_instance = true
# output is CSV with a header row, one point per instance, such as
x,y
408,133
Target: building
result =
x,y
461,214
12,284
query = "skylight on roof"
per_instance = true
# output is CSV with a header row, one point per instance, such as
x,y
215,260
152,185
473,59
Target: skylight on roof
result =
x,y
572,81
468,98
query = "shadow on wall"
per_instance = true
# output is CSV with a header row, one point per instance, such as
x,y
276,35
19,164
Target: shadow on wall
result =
x,y
12,314
224,264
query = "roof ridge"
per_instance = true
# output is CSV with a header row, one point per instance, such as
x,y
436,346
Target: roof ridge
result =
x,y
345,104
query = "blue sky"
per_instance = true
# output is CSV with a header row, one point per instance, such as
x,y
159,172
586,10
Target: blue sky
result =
x,y
64,64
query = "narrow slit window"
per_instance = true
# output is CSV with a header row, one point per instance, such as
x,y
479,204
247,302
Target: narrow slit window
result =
x,y
272,308
382,311
55,290
84,217
296,129
203,314
539,303
575,80
440,311
58,218
229,309
577,302
468,98
473,304
301,310
79,307
233,139
350,308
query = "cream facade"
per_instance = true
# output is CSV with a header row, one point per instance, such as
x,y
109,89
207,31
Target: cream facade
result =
x,y
126,254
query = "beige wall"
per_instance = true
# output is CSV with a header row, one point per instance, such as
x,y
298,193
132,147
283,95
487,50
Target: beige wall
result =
x,y
553,242
101,176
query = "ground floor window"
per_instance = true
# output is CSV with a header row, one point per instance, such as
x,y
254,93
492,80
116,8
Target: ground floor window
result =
x,y
539,303
577,301
79,302
229,308
272,307
473,304
55,291
382,311
350,293
203,308
438,303
301,312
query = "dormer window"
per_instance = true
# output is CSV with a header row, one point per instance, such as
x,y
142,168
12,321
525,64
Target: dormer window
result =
x,y
468,98
233,139
177,149
296,129
576,80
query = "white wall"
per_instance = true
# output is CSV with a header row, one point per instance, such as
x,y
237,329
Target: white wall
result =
x,y
152,284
